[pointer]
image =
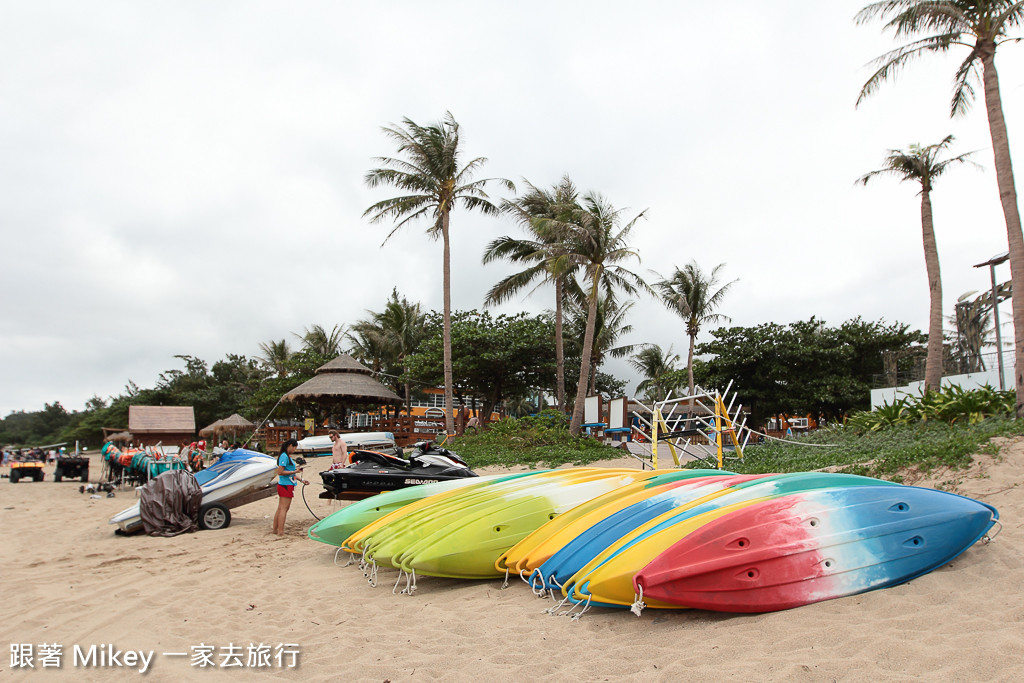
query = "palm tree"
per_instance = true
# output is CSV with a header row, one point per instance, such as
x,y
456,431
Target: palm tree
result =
x,y
404,327
276,355
981,26
691,295
972,325
609,325
921,165
385,339
433,182
367,345
544,254
595,244
658,369
321,342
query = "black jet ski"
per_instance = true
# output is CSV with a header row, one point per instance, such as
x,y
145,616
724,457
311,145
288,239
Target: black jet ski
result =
x,y
371,472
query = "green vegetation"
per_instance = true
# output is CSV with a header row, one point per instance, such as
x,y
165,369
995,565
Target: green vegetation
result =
x,y
940,429
804,367
922,445
948,428
541,440
952,404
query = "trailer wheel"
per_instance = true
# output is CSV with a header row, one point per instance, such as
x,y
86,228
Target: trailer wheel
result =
x,y
38,476
213,516
15,476
58,474
85,475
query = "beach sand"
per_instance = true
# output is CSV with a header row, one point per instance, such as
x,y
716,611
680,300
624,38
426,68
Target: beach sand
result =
x,y
68,580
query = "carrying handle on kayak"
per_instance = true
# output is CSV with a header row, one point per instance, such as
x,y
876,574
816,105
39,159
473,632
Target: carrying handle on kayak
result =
x,y
540,591
576,617
638,602
987,538
351,557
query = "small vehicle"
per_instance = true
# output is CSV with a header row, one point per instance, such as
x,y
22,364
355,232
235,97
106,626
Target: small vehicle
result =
x,y
72,466
26,468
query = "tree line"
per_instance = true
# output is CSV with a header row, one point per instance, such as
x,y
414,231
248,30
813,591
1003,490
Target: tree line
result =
x,y
506,362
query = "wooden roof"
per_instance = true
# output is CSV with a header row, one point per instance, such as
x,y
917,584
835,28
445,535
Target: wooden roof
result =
x,y
152,419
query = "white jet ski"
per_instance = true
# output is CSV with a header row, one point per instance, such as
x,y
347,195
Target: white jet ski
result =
x,y
239,477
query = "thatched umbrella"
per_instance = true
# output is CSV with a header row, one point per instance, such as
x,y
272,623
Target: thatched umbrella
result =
x,y
120,437
234,424
210,430
343,381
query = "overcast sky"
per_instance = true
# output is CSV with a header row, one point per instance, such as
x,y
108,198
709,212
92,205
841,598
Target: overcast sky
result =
x,y
187,177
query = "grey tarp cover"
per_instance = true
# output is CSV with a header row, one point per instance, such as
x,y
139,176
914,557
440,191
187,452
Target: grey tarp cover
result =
x,y
169,505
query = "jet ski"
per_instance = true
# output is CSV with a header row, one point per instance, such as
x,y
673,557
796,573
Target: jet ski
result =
x,y
240,476
371,472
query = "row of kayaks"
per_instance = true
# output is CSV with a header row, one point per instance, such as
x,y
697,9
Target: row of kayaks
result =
x,y
668,538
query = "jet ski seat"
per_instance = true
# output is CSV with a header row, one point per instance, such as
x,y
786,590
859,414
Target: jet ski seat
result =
x,y
382,459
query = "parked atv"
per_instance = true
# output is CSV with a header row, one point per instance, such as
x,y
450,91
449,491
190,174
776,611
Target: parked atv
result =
x,y
26,468
72,466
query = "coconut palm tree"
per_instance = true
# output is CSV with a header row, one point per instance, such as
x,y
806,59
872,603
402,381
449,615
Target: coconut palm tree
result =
x,y
609,326
276,355
543,252
433,183
385,339
980,26
595,244
693,296
921,165
321,342
404,327
658,369
972,325
367,344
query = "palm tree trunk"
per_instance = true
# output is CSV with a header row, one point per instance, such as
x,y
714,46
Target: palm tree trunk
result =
x,y
449,422
588,346
595,362
1008,198
933,361
559,350
689,363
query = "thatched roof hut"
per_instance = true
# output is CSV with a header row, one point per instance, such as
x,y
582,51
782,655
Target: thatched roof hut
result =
x,y
118,437
234,424
343,381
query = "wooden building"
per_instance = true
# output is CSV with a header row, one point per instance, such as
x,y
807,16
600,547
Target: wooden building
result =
x,y
166,425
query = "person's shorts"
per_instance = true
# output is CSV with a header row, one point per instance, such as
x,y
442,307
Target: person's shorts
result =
x,y
285,491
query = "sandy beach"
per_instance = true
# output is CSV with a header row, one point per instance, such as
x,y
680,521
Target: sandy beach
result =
x,y
70,581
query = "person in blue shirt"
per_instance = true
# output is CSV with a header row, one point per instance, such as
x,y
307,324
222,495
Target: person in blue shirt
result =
x,y
287,477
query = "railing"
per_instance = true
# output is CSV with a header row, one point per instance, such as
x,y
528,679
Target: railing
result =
x,y
950,367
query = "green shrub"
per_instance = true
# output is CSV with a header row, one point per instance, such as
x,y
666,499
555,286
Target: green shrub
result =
x,y
541,439
879,452
949,404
